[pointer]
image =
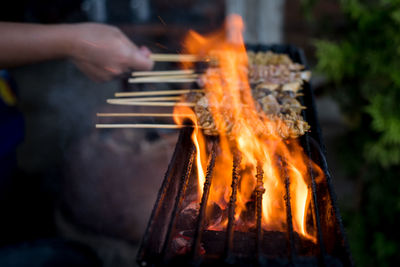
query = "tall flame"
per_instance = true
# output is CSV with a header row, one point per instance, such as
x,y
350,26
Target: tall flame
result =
x,y
252,134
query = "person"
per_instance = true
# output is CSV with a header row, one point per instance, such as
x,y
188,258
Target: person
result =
x,y
100,51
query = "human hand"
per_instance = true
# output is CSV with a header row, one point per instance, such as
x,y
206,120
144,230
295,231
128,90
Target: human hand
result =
x,y
103,52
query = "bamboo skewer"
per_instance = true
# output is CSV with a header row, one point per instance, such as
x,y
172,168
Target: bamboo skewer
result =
x,y
162,73
142,115
165,92
143,103
174,57
165,78
140,99
140,125
181,80
159,104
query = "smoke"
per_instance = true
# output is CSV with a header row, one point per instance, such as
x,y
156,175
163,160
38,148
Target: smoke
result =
x,y
106,180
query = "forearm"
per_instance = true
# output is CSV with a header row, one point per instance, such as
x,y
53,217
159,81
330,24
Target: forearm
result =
x,y
27,43
100,51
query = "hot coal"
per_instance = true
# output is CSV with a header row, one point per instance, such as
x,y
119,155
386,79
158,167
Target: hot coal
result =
x,y
274,243
182,244
188,216
215,215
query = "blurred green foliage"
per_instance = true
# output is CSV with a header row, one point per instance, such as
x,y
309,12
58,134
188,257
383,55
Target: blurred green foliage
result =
x,y
363,64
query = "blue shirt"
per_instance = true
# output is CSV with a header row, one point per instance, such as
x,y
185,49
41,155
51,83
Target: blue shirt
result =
x,y
11,125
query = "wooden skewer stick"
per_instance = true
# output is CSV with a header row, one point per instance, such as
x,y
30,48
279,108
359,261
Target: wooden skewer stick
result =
x,y
155,104
167,77
174,57
142,126
142,115
163,78
176,80
139,99
165,92
161,73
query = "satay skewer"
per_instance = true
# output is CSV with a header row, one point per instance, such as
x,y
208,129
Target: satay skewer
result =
x,y
143,115
140,126
182,80
164,92
162,73
175,58
140,99
155,104
166,78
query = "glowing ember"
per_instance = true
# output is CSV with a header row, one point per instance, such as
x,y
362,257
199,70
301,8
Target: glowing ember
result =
x,y
253,136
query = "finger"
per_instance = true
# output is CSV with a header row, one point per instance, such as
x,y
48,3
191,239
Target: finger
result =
x,y
140,60
145,51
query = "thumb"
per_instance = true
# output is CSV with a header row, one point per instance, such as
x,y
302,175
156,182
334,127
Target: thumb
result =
x,y
141,59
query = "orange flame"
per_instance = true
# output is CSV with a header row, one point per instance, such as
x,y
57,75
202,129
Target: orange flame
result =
x,y
252,134
198,141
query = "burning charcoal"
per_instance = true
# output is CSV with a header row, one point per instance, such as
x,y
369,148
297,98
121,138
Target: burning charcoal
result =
x,y
202,249
181,244
215,215
192,209
246,221
188,216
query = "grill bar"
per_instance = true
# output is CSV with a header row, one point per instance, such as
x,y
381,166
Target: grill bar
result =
x,y
231,209
289,219
307,148
259,192
324,165
179,198
314,200
203,204
162,195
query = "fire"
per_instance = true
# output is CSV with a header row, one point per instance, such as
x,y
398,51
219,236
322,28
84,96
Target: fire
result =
x,y
198,141
252,135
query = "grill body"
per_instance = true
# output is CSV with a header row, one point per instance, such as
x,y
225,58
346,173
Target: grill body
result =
x,y
252,248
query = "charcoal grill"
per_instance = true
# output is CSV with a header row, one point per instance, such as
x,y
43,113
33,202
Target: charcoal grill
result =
x,y
256,247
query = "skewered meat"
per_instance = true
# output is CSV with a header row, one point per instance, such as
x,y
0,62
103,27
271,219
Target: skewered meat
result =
x,y
269,104
282,110
276,74
268,58
275,82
